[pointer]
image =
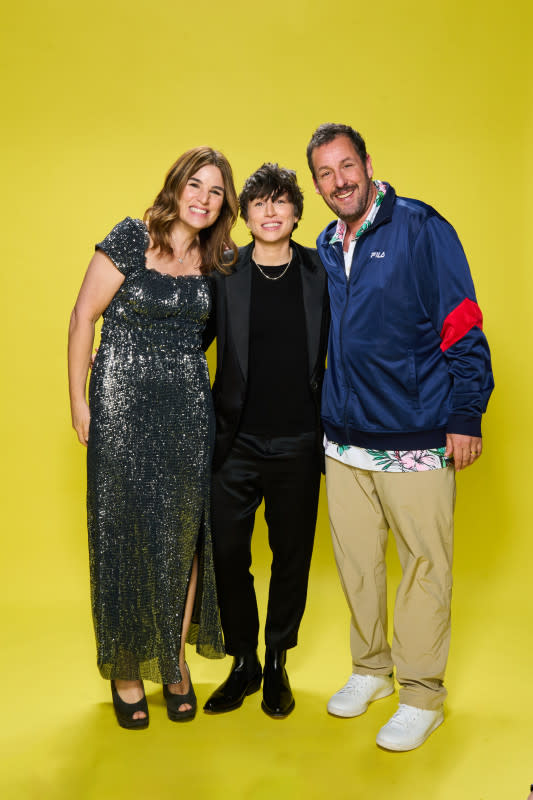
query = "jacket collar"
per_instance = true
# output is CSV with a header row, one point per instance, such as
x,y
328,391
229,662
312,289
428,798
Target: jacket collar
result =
x,y
385,210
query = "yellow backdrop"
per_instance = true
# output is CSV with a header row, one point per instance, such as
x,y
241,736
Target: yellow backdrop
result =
x,y
99,99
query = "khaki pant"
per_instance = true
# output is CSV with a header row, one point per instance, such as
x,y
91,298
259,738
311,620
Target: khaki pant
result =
x,y
418,508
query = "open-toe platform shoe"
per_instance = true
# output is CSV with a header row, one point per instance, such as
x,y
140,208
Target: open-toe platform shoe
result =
x,y
174,701
125,711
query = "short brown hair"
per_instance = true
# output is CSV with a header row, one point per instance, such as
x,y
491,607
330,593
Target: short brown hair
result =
x,y
164,212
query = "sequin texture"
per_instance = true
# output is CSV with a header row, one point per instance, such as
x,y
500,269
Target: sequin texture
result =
x,y
148,460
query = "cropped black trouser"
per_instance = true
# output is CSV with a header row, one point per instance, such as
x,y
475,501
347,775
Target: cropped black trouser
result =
x,y
285,471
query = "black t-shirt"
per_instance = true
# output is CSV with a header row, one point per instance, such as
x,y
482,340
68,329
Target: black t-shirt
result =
x,y
278,400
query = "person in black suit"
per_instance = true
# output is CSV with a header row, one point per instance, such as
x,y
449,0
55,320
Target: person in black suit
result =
x,y
271,318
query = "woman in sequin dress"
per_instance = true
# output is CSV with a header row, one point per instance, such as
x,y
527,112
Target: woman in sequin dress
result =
x,y
148,428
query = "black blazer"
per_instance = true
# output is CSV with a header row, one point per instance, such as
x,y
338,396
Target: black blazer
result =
x,y
229,321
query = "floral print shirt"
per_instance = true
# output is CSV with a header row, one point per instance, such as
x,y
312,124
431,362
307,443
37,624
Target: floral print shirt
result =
x,y
378,460
387,460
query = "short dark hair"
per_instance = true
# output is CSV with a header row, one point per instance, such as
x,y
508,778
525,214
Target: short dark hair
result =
x,y
328,131
271,180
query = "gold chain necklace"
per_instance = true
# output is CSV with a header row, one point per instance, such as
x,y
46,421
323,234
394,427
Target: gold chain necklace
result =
x,y
269,277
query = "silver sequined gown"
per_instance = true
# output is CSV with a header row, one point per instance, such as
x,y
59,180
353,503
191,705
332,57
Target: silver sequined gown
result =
x,y
148,462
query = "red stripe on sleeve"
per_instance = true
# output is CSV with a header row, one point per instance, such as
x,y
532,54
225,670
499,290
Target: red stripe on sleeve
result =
x,y
459,322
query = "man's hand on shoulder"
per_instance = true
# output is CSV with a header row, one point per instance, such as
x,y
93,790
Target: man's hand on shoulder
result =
x,y
463,449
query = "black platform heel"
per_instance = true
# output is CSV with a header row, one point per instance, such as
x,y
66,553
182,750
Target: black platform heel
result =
x,y
174,701
125,711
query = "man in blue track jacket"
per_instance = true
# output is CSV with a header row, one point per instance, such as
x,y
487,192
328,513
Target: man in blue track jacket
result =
x,y
408,379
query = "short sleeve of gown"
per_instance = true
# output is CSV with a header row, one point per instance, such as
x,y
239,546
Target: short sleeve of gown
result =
x,y
126,245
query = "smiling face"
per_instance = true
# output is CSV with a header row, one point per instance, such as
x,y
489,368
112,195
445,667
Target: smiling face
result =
x,y
271,220
201,200
343,180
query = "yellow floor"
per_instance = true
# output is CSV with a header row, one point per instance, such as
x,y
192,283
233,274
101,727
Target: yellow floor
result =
x,y
60,739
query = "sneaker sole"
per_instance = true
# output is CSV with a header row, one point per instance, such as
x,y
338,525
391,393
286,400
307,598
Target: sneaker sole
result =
x,y
346,714
403,748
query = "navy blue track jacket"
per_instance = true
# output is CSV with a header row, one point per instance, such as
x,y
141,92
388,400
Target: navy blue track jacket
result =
x,y
407,360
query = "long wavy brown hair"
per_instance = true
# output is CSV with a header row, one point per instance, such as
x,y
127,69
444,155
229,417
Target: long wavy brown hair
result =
x,y
215,240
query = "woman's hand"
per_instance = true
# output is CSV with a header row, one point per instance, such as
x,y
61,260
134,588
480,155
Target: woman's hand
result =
x,y
81,417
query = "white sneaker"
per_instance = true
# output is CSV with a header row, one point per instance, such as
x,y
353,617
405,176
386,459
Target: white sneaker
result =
x,y
358,692
409,727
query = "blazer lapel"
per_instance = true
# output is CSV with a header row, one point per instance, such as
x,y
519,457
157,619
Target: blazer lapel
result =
x,y
238,291
313,290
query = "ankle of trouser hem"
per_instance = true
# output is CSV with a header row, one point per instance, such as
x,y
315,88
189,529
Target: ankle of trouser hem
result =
x,y
423,698
383,672
278,654
287,644
241,653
